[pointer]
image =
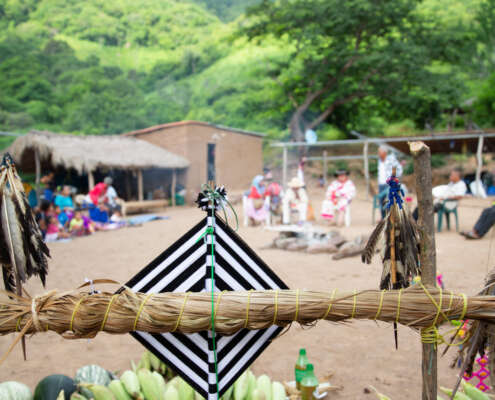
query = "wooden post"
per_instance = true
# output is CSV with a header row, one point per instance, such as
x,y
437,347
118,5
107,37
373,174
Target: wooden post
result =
x,y
366,169
479,164
37,166
284,169
422,171
91,180
140,184
128,190
325,168
174,180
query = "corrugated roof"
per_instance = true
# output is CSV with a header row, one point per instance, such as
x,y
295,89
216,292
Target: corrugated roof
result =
x,y
184,123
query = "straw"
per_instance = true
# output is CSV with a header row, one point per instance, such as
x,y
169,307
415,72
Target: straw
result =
x,y
159,313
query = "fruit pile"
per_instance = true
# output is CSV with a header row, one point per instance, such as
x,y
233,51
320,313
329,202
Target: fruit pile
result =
x,y
150,379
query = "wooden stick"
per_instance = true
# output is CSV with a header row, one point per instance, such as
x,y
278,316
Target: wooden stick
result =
x,y
422,171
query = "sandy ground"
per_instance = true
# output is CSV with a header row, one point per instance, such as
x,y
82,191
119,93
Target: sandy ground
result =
x,y
359,354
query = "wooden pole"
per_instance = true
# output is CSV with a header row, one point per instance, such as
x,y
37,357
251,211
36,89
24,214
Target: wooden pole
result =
x,y
174,180
37,166
128,191
325,168
479,164
422,171
366,169
91,180
140,184
284,169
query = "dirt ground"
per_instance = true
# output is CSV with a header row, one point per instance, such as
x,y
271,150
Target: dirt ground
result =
x,y
359,354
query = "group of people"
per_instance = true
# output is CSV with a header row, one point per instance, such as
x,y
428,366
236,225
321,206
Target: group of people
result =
x,y
266,198
60,217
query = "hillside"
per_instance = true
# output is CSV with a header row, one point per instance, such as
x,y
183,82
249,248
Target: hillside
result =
x,y
108,67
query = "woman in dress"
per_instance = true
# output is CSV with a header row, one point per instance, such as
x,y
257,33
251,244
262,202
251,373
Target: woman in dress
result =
x,y
338,197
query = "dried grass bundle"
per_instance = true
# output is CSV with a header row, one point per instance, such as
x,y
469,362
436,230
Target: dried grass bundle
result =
x,y
78,314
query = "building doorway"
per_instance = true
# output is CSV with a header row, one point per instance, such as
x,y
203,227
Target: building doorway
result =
x,y
210,166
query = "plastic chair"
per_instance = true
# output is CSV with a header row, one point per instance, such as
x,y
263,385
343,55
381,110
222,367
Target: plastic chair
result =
x,y
347,217
446,211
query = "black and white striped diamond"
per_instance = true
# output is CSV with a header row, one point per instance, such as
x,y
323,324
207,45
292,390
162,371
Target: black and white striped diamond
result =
x,y
186,266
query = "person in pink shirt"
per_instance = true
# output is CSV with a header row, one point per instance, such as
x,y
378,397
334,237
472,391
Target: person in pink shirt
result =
x,y
98,192
54,230
338,197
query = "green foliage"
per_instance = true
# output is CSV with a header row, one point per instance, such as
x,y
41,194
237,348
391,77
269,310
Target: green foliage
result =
x,y
109,67
403,128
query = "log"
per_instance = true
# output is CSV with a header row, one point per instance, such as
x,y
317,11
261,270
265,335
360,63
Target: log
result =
x,y
422,171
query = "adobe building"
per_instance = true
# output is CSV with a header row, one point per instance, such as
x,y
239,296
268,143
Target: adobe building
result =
x,y
228,156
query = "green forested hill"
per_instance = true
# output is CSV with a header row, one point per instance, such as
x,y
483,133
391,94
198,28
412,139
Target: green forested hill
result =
x,y
98,66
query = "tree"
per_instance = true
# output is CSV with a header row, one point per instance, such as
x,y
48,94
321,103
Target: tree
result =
x,y
340,52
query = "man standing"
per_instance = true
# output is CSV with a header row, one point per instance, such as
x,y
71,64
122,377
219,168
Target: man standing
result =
x,y
386,162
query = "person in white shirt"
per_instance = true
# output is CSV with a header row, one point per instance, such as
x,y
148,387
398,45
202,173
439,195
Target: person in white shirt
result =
x,y
111,194
448,195
295,199
386,162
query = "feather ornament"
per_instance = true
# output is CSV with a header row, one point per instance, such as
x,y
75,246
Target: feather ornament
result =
x,y
23,252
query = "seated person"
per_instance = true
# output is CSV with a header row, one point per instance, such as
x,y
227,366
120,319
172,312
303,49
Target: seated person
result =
x,y
97,194
77,226
64,200
338,197
450,193
274,190
99,215
111,194
482,225
295,200
54,231
63,217
255,204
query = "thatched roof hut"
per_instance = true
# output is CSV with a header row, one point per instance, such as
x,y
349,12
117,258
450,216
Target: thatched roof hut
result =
x,y
86,154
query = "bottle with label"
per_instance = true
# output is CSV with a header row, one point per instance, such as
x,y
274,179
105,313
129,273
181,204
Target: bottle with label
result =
x,y
300,369
309,384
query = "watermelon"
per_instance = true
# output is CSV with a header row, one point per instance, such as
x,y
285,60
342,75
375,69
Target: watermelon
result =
x,y
49,388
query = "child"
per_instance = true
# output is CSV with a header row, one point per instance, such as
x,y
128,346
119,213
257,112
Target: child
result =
x,y
54,231
338,197
76,225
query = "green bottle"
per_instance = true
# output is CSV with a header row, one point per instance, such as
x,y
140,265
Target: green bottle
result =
x,y
300,369
309,384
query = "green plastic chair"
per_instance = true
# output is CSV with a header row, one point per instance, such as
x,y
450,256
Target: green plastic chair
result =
x,y
444,211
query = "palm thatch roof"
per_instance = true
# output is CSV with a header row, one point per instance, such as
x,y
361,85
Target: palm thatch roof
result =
x,y
87,153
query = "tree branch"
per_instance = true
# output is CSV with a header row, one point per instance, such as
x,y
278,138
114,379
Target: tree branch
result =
x,y
330,109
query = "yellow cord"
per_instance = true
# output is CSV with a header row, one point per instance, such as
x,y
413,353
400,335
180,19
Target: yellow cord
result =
x,y
75,310
380,305
276,308
297,305
108,311
330,304
216,306
181,312
398,307
451,300
354,304
140,310
247,308
464,307
18,325
431,334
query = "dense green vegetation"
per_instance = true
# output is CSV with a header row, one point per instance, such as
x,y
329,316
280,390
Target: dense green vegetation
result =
x,y
100,67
